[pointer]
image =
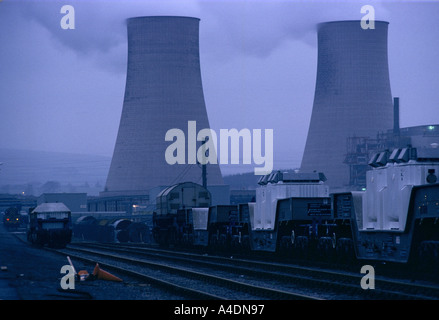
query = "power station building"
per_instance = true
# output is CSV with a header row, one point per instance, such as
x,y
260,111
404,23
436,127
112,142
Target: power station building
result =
x,y
163,92
360,149
352,96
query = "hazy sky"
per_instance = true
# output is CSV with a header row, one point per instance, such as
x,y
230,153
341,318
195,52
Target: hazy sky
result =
x,y
62,90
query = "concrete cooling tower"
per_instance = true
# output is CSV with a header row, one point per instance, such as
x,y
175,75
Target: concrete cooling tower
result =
x,y
352,95
163,91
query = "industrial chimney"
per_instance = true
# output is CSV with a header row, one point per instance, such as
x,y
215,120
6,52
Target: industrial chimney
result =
x,y
352,95
163,91
396,116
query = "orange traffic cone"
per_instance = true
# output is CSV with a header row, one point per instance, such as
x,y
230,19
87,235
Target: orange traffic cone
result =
x,y
104,275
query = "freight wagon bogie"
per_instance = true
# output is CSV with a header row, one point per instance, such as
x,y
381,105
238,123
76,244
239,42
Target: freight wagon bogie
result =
x,y
164,230
51,238
305,227
228,228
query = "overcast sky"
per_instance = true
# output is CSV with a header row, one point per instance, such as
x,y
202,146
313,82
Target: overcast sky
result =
x,y
62,90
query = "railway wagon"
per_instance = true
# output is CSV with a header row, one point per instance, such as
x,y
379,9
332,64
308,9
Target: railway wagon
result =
x,y
110,229
220,227
50,224
289,210
397,218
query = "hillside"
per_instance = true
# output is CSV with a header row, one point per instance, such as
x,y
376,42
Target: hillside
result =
x,y
35,172
30,171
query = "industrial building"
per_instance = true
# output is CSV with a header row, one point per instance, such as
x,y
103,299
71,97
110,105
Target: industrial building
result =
x,y
76,202
359,150
352,96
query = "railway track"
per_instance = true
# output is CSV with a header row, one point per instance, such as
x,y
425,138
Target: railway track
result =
x,y
230,278
191,283
250,279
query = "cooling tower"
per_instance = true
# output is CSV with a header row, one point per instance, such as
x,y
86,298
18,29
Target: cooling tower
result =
x,y
163,91
352,95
